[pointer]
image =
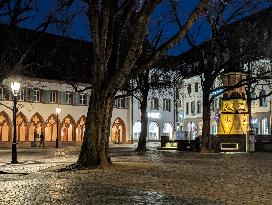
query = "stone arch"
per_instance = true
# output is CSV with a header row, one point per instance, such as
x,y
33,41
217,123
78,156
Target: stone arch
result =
x,y
154,131
80,128
5,127
22,125
50,130
68,129
36,122
118,130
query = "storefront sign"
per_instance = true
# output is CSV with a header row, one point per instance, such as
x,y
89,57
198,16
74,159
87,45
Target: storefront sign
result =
x,y
154,115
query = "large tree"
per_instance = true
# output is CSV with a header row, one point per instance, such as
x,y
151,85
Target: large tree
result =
x,y
118,30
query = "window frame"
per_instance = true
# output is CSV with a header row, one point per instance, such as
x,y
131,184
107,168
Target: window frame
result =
x,y
198,107
35,95
82,99
155,103
193,108
2,94
70,97
262,100
51,96
187,108
21,95
167,105
189,88
196,87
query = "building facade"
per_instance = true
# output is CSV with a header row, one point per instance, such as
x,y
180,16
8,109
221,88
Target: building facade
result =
x,y
189,111
37,103
161,116
39,98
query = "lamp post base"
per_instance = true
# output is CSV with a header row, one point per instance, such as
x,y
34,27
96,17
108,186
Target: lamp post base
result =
x,y
14,162
14,154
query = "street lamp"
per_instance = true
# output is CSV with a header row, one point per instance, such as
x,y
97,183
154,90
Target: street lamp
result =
x,y
15,87
58,110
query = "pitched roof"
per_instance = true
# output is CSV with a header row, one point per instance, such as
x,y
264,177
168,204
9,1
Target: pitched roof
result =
x,y
50,56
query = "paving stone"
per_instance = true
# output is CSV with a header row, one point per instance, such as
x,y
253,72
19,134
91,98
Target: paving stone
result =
x,y
157,177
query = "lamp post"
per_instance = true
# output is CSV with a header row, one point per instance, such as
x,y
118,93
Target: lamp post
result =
x,y
58,110
15,87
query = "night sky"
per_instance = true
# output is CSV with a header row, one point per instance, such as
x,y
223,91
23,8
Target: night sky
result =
x,y
79,27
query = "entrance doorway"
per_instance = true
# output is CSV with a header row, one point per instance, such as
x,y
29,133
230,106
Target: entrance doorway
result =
x,y
118,131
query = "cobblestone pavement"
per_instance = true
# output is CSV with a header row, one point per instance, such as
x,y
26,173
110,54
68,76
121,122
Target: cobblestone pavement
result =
x,y
157,177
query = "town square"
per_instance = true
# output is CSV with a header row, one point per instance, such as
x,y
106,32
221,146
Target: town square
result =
x,y
135,102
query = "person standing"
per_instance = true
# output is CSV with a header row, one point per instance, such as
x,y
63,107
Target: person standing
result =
x,y
41,139
36,136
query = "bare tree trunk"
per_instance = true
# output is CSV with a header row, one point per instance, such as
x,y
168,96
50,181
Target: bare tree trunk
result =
x,y
94,149
206,117
144,122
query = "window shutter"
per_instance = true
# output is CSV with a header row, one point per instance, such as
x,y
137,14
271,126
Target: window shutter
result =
x,y
27,94
76,99
31,95
88,97
45,96
61,96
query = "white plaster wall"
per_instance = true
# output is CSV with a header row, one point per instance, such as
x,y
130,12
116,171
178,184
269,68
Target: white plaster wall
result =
x,y
165,116
46,109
